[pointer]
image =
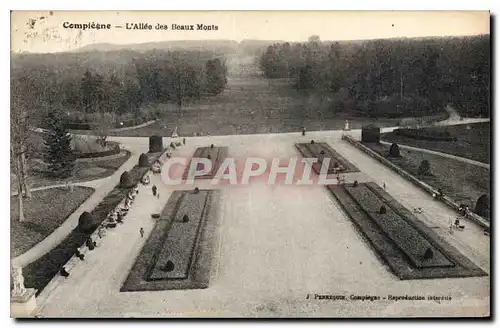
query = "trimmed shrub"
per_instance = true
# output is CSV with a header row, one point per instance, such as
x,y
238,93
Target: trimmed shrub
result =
x,y
143,160
155,144
424,168
312,142
85,222
394,150
370,133
211,146
185,218
429,254
196,190
483,206
169,266
382,210
126,180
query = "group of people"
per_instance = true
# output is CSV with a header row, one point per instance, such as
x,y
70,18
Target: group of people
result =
x,y
156,167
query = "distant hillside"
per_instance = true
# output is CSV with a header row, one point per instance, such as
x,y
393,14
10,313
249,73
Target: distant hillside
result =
x,y
225,46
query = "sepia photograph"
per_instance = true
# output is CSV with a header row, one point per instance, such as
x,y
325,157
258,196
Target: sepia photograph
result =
x,y
250,164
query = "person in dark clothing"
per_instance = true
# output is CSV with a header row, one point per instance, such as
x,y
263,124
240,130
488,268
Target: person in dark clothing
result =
x,y
64,273
79,255
141,231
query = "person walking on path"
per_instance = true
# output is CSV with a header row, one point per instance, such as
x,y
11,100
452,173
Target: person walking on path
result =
x,y
141,231
155,190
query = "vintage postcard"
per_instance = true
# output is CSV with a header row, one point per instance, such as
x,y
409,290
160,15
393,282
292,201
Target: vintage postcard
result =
x,y
250,164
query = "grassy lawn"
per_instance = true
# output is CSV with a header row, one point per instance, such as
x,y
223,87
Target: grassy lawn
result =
x,y
463,182
45,211
85,170
251,105
473,144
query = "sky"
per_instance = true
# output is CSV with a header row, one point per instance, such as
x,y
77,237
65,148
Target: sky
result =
x,y
37,31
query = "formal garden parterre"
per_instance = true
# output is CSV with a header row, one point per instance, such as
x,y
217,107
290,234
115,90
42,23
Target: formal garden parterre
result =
x,y
216,155
178,252
408,247
321,151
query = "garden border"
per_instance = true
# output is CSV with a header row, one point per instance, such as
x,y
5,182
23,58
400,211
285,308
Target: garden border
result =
x,y
73,261
199,272
389,252
482,222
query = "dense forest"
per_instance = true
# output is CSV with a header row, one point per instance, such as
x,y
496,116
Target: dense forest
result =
x,y
87,85
394,77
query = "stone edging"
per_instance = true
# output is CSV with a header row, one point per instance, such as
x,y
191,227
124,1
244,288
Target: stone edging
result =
x,y
422,185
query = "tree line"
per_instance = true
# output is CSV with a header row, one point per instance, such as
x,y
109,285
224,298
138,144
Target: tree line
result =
x,y
44,87
116,82
393,77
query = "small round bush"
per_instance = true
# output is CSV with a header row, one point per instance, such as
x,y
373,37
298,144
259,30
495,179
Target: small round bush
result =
x,y
429,254
196,190
211,146
185,218
143,160
312,142
209,157
169,266
126,180
483,206
322,152
394,150
382,210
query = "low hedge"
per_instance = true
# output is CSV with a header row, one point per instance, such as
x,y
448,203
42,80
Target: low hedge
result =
x,y
117,125
79,126
115,149
40,272
425,134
